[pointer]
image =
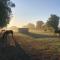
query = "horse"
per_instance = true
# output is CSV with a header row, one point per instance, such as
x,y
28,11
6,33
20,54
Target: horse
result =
x,y
7,37
8,32
9,52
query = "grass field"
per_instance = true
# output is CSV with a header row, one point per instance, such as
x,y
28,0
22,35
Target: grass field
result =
x,y
45,48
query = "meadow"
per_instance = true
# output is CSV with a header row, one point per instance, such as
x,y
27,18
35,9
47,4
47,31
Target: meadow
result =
x,y
40,48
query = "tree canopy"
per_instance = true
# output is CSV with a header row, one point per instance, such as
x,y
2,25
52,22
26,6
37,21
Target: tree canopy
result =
x,y
5,12
39,24
53,21
31,26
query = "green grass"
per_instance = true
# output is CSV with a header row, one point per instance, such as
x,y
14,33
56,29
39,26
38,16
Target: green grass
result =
x,y
49,47
33,45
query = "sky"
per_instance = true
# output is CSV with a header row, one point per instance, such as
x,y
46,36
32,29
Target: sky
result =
x,y
31,11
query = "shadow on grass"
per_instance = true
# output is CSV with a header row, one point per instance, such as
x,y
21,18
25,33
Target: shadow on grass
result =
x,y
34,35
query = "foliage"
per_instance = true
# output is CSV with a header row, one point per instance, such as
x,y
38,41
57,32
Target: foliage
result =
x,y
39,24
5,12
31,26
53,21
47,28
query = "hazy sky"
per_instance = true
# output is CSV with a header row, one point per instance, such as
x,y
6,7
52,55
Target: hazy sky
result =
x,y
32,10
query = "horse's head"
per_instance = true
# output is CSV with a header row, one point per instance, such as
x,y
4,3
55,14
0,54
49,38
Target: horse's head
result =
x,y
8,37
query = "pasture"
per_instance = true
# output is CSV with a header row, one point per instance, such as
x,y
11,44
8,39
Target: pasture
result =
x,y
43,47
39,46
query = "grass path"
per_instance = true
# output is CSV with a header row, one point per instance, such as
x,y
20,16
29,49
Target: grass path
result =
x,y
30,43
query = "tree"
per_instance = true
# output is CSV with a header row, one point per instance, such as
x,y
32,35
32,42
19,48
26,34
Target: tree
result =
x,y
31,26
5,12
53,21
39,24
47,28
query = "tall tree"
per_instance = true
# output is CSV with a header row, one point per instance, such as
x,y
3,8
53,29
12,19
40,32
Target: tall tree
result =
x,y
31,26
5,12
53,21
39,24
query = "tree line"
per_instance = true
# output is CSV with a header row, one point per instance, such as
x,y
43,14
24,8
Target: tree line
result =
x,y
6,13
51,23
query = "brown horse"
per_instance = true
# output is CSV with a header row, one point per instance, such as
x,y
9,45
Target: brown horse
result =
x,y
8,32
10,52
8,37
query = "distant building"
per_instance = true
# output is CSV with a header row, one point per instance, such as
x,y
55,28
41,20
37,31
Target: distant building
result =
x,y
23,30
